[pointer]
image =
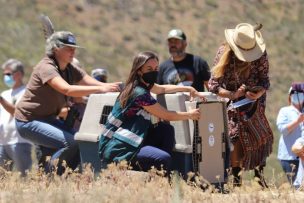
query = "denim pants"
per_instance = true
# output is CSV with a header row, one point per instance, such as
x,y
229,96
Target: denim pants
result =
x,y
19,154
51,134
157,148
288,169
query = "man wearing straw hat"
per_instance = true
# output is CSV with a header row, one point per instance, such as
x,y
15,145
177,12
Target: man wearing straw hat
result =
x,y
241,71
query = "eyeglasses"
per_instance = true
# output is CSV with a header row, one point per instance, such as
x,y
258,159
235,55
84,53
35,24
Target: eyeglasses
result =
x,y
8,74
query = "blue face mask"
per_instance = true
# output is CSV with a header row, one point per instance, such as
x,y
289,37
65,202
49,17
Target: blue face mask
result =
x,y
9,81
297,98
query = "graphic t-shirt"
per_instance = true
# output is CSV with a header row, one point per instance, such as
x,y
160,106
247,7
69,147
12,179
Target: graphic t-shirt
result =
x,y
191,71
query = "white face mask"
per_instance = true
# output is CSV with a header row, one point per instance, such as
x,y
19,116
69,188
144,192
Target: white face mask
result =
x,y
297,98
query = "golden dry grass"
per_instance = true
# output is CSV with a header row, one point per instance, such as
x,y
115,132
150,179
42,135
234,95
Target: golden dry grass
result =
x,y
117,184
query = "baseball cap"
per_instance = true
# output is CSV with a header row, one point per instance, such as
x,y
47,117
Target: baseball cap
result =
x,y
176,34
99,74
65,38
296,87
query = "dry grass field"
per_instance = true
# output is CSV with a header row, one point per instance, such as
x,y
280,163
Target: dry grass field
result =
x,y
116,184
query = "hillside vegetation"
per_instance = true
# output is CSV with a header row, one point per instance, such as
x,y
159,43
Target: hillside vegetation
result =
x,y
113,31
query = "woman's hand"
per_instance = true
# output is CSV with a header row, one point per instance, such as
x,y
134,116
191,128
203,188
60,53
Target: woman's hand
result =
x,y
63,112
195,94
110,87
254,95
194,114
240,92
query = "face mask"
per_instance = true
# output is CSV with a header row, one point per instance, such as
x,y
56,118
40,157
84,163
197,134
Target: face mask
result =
x,y
297,98
9,81
150,77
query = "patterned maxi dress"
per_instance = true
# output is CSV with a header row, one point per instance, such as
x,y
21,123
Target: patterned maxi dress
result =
x,y
255,133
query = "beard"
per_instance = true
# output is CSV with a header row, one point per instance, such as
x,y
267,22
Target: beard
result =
x,y
176,52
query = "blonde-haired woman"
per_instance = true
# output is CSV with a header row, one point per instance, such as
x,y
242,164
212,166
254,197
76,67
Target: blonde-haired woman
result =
x,y
241,71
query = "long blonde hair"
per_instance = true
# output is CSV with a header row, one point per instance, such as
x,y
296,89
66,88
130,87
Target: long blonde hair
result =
x,y
242,68
219,69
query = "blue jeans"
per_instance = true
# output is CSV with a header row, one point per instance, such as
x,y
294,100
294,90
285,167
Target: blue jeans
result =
x,y
157,148
51,134
288,169
19,154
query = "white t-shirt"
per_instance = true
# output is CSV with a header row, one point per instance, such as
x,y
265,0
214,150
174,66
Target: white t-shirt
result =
x,y
8,132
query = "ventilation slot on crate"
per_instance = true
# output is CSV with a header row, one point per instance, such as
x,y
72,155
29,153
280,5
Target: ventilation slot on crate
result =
x,y
105,112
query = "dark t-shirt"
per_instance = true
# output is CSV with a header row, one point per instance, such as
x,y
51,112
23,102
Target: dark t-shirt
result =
x,y
40,100
191,71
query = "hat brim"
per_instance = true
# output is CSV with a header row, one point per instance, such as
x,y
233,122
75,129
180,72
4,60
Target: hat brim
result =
x,y
72,45
174,37
246,55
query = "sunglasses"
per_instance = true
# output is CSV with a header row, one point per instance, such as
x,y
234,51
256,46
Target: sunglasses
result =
x,y
9,74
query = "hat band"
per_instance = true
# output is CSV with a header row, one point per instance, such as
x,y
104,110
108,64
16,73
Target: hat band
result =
x,y
244,48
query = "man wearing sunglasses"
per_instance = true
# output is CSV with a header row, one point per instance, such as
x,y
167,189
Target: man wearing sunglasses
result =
x,y
13,148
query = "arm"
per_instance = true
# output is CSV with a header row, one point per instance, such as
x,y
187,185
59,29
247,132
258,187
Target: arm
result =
x,y
262,65
7,106
255,96
298,148
230,94
160,112
215,87
164,89
89,81
206,85
293,125
60,85
217,81
283,121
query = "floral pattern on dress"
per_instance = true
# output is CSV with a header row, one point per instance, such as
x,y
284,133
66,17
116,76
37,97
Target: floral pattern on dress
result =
x,y
256,139
258,76
142,100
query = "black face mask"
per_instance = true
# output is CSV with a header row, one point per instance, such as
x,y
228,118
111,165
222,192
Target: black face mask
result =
x,y
150,77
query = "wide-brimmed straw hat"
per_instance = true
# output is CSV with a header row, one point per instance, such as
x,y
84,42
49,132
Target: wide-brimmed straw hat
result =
x,y
246,41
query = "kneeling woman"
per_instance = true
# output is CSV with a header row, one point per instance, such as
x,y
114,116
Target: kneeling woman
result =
x,y
129,134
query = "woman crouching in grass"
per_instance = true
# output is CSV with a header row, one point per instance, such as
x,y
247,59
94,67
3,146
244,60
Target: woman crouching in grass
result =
x,y
129,133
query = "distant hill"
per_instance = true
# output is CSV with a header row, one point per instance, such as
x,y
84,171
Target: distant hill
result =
x,y
113,31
